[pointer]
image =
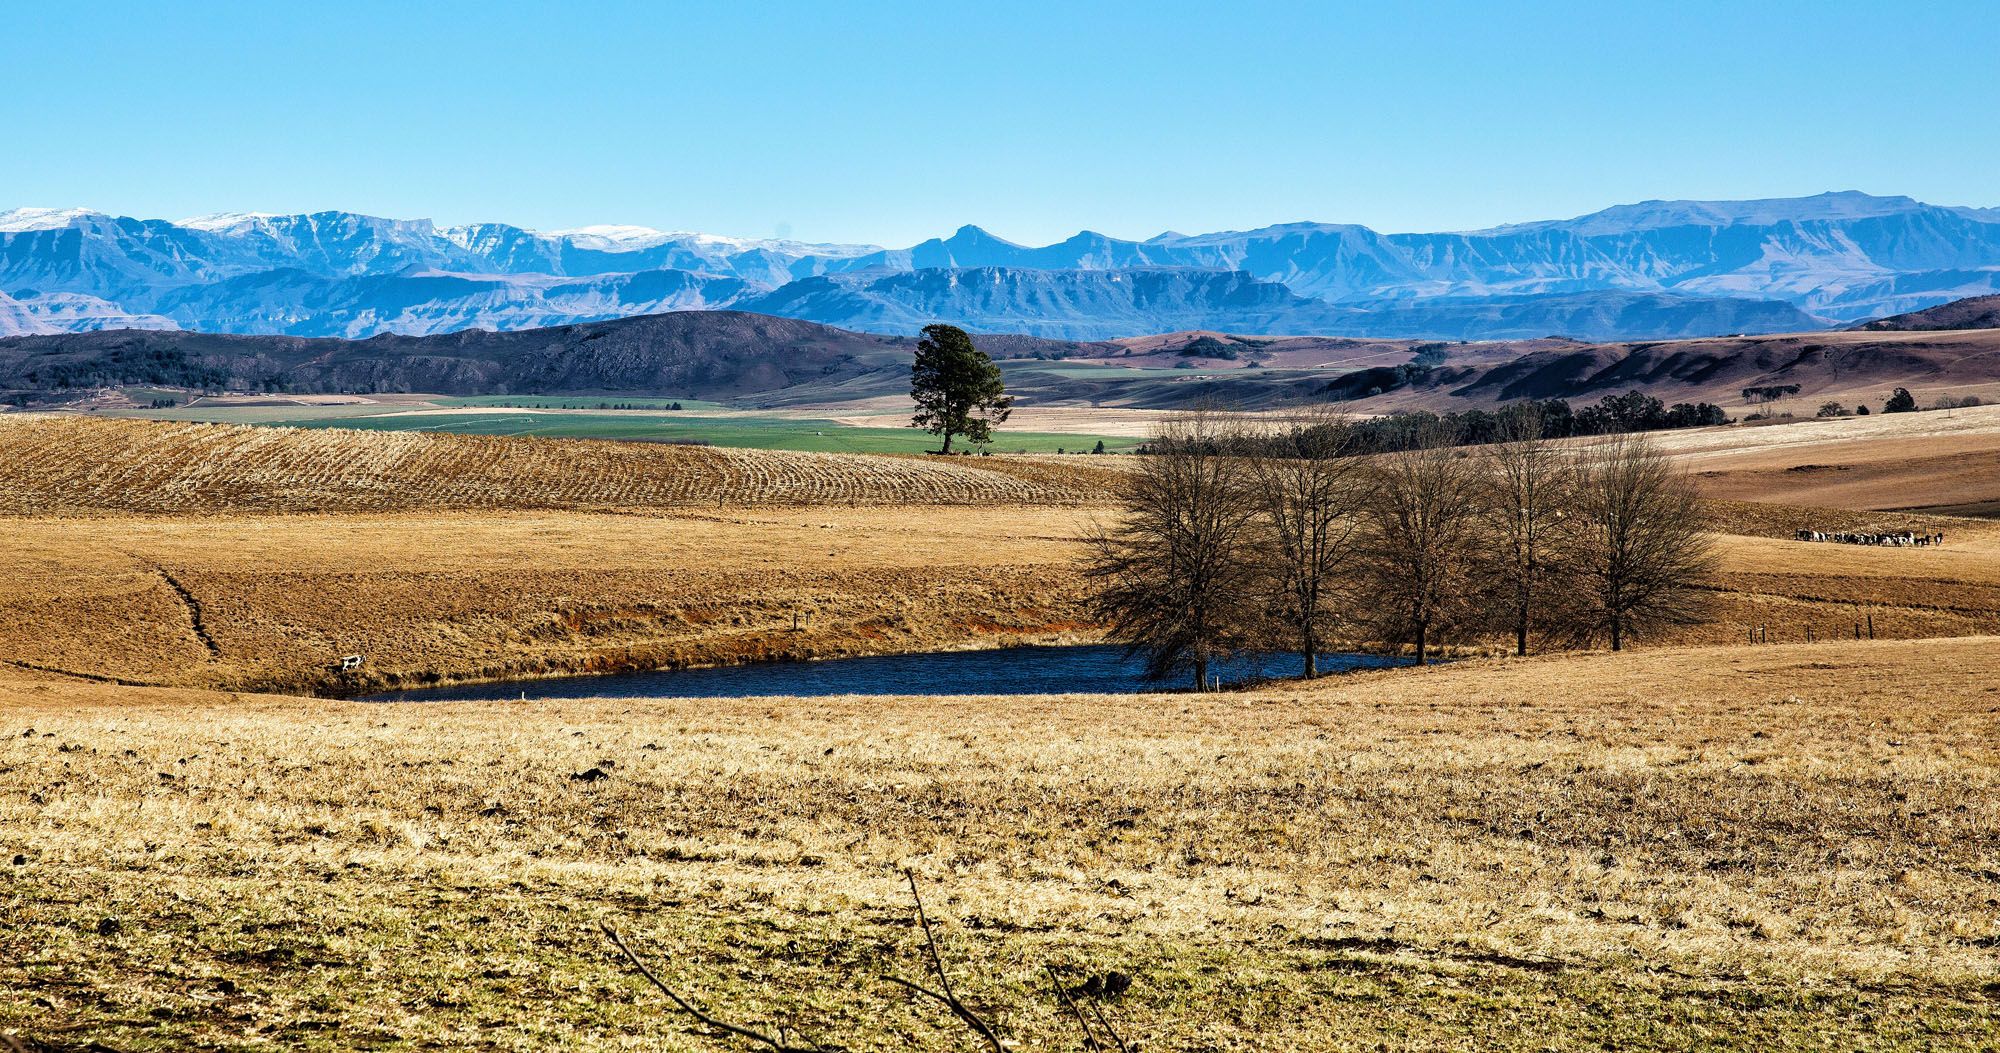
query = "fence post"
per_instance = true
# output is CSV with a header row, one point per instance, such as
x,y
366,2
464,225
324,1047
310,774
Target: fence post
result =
x,y
1871,627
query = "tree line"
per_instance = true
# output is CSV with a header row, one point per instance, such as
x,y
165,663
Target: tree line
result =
x,y
1552,418
1255,536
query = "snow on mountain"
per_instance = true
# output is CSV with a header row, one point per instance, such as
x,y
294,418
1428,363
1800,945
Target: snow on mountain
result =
x,y
24,219
231,221
617,238
614,238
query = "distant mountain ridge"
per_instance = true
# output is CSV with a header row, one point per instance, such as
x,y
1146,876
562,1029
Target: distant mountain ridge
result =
x,y
1841,257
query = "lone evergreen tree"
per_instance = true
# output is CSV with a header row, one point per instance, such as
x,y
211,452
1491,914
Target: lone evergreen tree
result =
x,y
1900,402
956,387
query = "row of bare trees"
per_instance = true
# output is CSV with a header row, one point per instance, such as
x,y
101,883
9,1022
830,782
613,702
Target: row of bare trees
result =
x,y
1258,535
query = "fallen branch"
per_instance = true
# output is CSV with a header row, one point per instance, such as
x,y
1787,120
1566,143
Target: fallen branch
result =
x,y
1098,1012
947,996
1090,1039
689,1008
1063,999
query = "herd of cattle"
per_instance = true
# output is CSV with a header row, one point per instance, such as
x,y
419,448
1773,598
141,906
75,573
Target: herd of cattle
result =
x,y
1894,537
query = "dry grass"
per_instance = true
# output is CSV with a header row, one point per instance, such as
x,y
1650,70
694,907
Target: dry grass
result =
x,y
269,602
68,465
1884,461
1791,848
456,596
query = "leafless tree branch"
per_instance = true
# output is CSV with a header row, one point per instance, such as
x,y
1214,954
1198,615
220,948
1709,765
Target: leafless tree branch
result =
x,y
947,996
692,1010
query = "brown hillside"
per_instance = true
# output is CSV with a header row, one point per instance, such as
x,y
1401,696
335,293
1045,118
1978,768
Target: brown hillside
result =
x,y
1975,312
1852,368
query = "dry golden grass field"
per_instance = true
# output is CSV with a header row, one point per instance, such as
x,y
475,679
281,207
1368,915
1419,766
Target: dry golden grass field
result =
x,y
1698,845
1942,461
1788,848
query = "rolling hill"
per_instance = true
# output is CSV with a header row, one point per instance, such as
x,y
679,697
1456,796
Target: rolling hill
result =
x,y
709,354
1853,369
773,361
1977,312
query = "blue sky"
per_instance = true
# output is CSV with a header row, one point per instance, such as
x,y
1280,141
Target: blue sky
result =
x,y
891,122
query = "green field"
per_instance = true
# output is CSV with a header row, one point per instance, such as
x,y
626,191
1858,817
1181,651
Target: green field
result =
x,y
647,419
580,402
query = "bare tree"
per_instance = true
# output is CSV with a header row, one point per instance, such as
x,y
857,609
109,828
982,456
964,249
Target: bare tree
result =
x,y
1423,538
1177,583
1641,547
1529,496
1307,488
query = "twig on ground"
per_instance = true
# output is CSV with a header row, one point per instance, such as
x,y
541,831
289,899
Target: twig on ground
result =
x,y
1062,998
1090,1038
689,1008
947,996
1098,1012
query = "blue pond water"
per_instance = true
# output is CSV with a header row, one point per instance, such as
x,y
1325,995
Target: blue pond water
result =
x,y
1012,671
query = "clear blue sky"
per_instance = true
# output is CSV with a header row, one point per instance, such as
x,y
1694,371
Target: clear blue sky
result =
x,y
891,122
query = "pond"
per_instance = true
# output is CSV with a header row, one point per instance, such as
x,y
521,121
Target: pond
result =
x,y
1094,669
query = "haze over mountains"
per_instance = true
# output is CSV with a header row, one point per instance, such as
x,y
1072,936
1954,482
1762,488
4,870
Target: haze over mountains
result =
x,y
1657,269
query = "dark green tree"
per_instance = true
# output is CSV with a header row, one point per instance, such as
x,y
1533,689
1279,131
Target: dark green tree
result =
x,y
1900,402
956,387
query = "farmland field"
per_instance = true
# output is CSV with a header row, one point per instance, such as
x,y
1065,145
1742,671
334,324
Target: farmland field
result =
x,y
1700,844
751,432
616,417
574,402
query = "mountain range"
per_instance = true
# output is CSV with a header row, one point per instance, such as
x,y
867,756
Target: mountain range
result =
x,y
1650,270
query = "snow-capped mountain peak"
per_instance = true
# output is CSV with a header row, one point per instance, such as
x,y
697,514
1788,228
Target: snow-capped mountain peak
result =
x,y
19,220
613,237
221,221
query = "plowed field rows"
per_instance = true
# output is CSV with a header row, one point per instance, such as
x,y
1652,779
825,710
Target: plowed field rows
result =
x,y
68,465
